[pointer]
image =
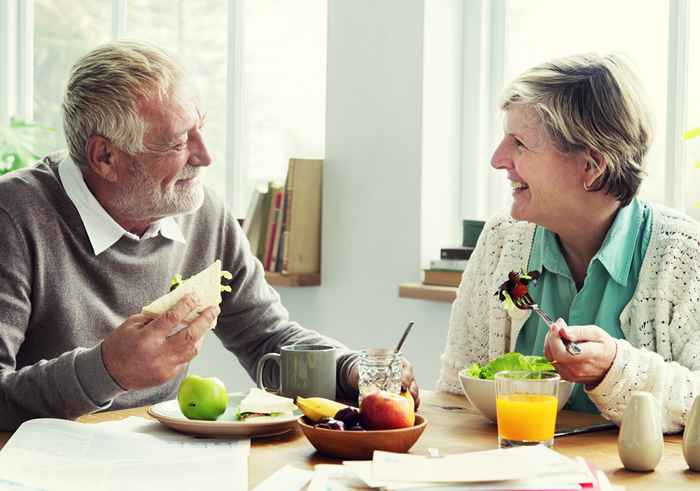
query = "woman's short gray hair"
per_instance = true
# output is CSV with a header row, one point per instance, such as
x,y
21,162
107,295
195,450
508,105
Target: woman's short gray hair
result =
x,y
104,90
591,102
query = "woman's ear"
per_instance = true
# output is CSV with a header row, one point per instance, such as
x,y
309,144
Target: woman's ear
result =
x,y
595,167
101,157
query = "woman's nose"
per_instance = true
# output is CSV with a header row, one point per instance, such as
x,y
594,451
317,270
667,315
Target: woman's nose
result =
x,y
500,158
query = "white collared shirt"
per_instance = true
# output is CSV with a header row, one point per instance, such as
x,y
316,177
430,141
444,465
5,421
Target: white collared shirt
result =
x,y
103,231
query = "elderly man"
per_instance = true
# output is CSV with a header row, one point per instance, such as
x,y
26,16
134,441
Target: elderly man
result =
x,y
91,237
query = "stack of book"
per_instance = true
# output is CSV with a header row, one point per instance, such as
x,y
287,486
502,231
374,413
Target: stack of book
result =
x,y
447,271
283,223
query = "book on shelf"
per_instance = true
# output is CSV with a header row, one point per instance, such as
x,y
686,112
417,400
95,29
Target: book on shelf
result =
x,y
279,214
272,217
261,239
449,264
302,222
459,252
439,277
254,222
283,231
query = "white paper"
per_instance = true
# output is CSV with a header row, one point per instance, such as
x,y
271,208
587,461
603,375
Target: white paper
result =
x,y
133,453
288,478
515,464
330,477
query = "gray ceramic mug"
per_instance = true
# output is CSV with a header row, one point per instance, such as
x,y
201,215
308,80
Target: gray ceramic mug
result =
x,y
306,370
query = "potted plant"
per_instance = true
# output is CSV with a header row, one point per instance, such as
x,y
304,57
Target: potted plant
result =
x,y
19,143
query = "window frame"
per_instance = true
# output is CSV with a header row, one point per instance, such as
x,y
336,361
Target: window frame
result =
x,y
17,77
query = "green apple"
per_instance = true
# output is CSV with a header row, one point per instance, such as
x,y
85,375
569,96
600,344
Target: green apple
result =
x,y
202,397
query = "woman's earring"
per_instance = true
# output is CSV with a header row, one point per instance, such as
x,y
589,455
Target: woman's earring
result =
x,y
586,187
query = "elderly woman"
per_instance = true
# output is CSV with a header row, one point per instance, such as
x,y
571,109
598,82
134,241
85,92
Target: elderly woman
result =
x,y
622,276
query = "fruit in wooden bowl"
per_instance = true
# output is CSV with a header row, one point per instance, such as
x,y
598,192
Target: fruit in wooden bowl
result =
x,y
361,444
384,421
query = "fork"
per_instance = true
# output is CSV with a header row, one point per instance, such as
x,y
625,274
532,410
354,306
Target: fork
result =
x,y
526,302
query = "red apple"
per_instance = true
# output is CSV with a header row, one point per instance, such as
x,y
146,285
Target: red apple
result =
x,y
382,410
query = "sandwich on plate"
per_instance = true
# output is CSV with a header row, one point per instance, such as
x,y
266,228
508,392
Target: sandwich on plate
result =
x,y
259,403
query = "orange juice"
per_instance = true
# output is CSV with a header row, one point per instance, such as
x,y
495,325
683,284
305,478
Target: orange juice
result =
x,y
526,417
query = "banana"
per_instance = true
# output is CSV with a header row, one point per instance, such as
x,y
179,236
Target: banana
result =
x,y
317,408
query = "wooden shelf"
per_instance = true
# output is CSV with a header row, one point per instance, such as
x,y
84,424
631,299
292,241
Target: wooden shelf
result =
x,y
293,279
428,292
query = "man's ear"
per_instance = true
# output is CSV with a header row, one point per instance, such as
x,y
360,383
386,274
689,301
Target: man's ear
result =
x,y
102,155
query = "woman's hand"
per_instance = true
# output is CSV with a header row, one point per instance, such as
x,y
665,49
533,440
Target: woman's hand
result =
x,y
590,366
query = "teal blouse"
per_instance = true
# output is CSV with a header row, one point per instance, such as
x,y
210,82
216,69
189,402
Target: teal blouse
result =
x,y
611,279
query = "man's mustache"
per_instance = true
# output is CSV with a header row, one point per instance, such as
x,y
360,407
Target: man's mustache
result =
x,y
188,172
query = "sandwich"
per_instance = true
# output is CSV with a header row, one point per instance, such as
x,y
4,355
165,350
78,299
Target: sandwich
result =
x,y
259,403
205,286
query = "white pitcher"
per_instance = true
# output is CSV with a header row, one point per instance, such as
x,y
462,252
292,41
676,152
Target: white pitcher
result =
x,y
691,437
640,442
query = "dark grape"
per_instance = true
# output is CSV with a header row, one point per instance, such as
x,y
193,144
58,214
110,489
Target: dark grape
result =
x,y
331,424
348,415
356,427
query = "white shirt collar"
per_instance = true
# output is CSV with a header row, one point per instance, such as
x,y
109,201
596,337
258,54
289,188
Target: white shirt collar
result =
x,y
101,228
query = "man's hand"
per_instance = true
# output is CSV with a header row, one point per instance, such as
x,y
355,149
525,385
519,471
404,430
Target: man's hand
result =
x,y
408,380
592,364
141,353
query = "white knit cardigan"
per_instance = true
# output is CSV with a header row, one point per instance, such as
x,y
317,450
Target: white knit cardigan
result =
x,y
661,323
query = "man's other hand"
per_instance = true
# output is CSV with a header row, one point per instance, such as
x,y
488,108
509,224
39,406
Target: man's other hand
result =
x,y
142,353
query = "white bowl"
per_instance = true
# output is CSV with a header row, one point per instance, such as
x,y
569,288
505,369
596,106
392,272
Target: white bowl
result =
x,y
482,393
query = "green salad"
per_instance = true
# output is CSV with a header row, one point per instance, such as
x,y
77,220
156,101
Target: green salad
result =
x,y
510,361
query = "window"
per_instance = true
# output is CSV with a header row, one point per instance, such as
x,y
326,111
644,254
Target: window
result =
x,y
693,107
64,30
260,76
196,32
520,35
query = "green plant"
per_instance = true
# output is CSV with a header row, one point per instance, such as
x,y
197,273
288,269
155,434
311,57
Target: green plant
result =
x,y
19,144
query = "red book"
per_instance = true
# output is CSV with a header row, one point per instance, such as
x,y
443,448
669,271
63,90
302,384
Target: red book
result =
x,y
272,228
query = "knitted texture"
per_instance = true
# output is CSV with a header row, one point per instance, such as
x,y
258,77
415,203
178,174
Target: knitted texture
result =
x,y
661,350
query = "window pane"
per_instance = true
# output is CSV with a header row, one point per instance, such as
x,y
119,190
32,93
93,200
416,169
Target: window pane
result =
x,y
284,83
539,31
195,30
64,30
693,146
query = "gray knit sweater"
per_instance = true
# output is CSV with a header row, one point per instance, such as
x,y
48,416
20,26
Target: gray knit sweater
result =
x,y
58,300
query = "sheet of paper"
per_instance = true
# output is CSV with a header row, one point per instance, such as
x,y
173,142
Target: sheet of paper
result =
x,y
289,478
133,453
523,463
329,477
363,470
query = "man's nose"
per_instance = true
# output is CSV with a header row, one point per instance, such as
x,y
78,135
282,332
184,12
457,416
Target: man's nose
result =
x,y
199,153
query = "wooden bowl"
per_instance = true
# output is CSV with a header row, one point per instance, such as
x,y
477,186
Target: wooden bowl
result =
x,y
359,445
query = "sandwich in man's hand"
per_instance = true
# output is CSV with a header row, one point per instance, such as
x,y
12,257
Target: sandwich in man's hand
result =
x,y
205,286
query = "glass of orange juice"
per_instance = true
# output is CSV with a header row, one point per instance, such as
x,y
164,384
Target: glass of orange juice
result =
x,y
526,407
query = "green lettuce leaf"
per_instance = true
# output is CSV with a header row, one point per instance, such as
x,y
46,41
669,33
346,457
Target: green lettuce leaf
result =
x,y
510,361
474,370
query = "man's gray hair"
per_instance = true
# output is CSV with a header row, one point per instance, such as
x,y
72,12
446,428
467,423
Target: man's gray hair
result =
x,y
104,91
591,102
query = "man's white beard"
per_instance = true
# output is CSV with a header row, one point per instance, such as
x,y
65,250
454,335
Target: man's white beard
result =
x,y
142,197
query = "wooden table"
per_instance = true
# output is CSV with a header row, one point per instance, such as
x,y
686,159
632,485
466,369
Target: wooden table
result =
x,y
455,427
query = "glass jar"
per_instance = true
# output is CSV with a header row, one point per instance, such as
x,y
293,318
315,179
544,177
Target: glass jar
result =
x,y
379,369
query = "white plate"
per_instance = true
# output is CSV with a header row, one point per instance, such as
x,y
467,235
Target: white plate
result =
x,y
168,413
